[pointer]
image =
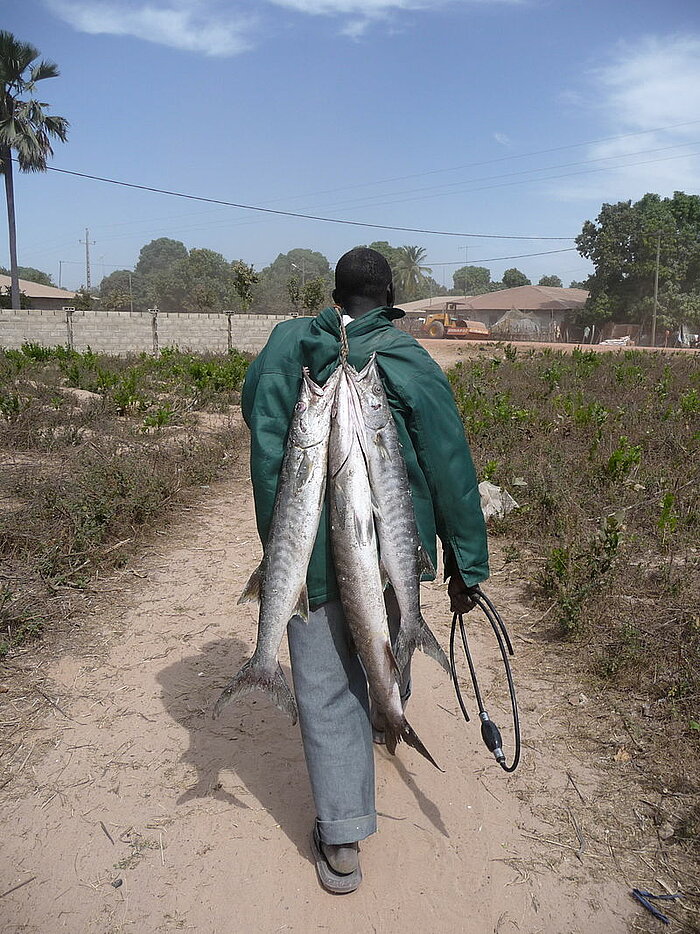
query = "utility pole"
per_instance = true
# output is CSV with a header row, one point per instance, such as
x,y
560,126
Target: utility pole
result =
x,y
656,289
466,263
87,241
60,272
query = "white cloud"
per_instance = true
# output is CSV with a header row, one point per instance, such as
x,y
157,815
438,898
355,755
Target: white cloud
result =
x,y
373,8
355,28
502,138
651,91
189,26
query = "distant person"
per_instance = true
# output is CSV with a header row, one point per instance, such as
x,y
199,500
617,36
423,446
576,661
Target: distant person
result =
x,y
329,681
586,334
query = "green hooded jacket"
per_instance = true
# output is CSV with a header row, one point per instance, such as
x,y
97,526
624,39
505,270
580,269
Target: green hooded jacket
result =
x,y
440,469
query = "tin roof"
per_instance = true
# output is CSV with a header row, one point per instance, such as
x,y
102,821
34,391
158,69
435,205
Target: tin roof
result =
x,y
34,290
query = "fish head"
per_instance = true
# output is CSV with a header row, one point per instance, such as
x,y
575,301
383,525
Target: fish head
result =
x,y
373,401
312,411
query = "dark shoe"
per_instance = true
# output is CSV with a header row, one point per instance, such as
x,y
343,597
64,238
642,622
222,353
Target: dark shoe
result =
x,y
338,866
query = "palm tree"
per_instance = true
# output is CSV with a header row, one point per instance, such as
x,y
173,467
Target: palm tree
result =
x,y
24,125
409,272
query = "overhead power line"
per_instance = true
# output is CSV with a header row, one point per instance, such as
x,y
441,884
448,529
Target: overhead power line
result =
x,y
508,158
298,214
495,259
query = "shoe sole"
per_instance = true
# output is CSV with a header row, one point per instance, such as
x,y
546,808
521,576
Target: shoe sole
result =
x,y
332,881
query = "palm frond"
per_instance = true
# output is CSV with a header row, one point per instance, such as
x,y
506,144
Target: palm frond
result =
x,y
15,58
44,69
25,127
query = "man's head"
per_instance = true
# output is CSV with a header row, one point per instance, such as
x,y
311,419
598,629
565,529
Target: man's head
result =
x,y
363,278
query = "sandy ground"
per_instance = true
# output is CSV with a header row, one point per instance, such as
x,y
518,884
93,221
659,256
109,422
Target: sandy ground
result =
x,y
125,808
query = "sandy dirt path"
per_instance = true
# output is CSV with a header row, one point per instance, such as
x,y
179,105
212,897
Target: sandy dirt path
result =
x,y
125,808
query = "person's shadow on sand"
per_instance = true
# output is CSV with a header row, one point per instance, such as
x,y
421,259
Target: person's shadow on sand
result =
x,y
252,741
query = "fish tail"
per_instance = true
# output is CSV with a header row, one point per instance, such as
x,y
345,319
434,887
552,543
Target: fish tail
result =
x,y
429,644
426,641
404,732
253,678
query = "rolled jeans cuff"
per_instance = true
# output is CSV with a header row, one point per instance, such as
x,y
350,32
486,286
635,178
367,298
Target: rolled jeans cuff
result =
x,y
346,831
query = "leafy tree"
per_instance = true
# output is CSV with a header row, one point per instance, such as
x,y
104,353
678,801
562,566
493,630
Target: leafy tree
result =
x,y
202,280
119,289
294,292
472,280
622,244
244,279
409,274
512,278
25,127
30,274
578,284
551,281
272,290
84,300
313,294
392,254
157,258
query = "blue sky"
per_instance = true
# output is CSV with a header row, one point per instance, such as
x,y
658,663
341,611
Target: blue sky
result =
x,y
414,113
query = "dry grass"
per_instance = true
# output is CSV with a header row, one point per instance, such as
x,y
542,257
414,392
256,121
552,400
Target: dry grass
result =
x,y
601,452
93,449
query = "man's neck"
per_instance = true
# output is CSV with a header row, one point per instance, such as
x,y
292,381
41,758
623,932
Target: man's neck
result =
x,y
356,307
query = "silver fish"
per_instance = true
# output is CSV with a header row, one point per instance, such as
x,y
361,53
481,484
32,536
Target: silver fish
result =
x,y
356,559
403,556
279,583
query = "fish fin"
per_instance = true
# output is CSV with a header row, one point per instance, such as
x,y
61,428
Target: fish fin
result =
x,y
251,678
411,738
425,641
392,659
251,591
425,565
429,644
391,738
383,450
364,530
302,605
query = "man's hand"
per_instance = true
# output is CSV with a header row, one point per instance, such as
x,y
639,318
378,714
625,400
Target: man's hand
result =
x,y
461,597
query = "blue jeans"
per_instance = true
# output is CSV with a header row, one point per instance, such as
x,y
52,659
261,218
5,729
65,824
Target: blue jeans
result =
x,y
334,716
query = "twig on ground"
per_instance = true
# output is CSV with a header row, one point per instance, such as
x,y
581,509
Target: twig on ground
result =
x,y
575,787
54,704
581,839
107,833
15,887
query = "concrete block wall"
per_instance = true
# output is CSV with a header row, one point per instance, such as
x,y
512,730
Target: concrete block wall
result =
x,y
112,332
47,328
122,332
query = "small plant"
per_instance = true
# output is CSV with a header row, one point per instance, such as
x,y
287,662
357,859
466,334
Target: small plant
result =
x,y
10,406
489,470
163,416
623,459
668,519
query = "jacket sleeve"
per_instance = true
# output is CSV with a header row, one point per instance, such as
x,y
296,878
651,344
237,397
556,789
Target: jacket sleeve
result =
x,y
443,453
